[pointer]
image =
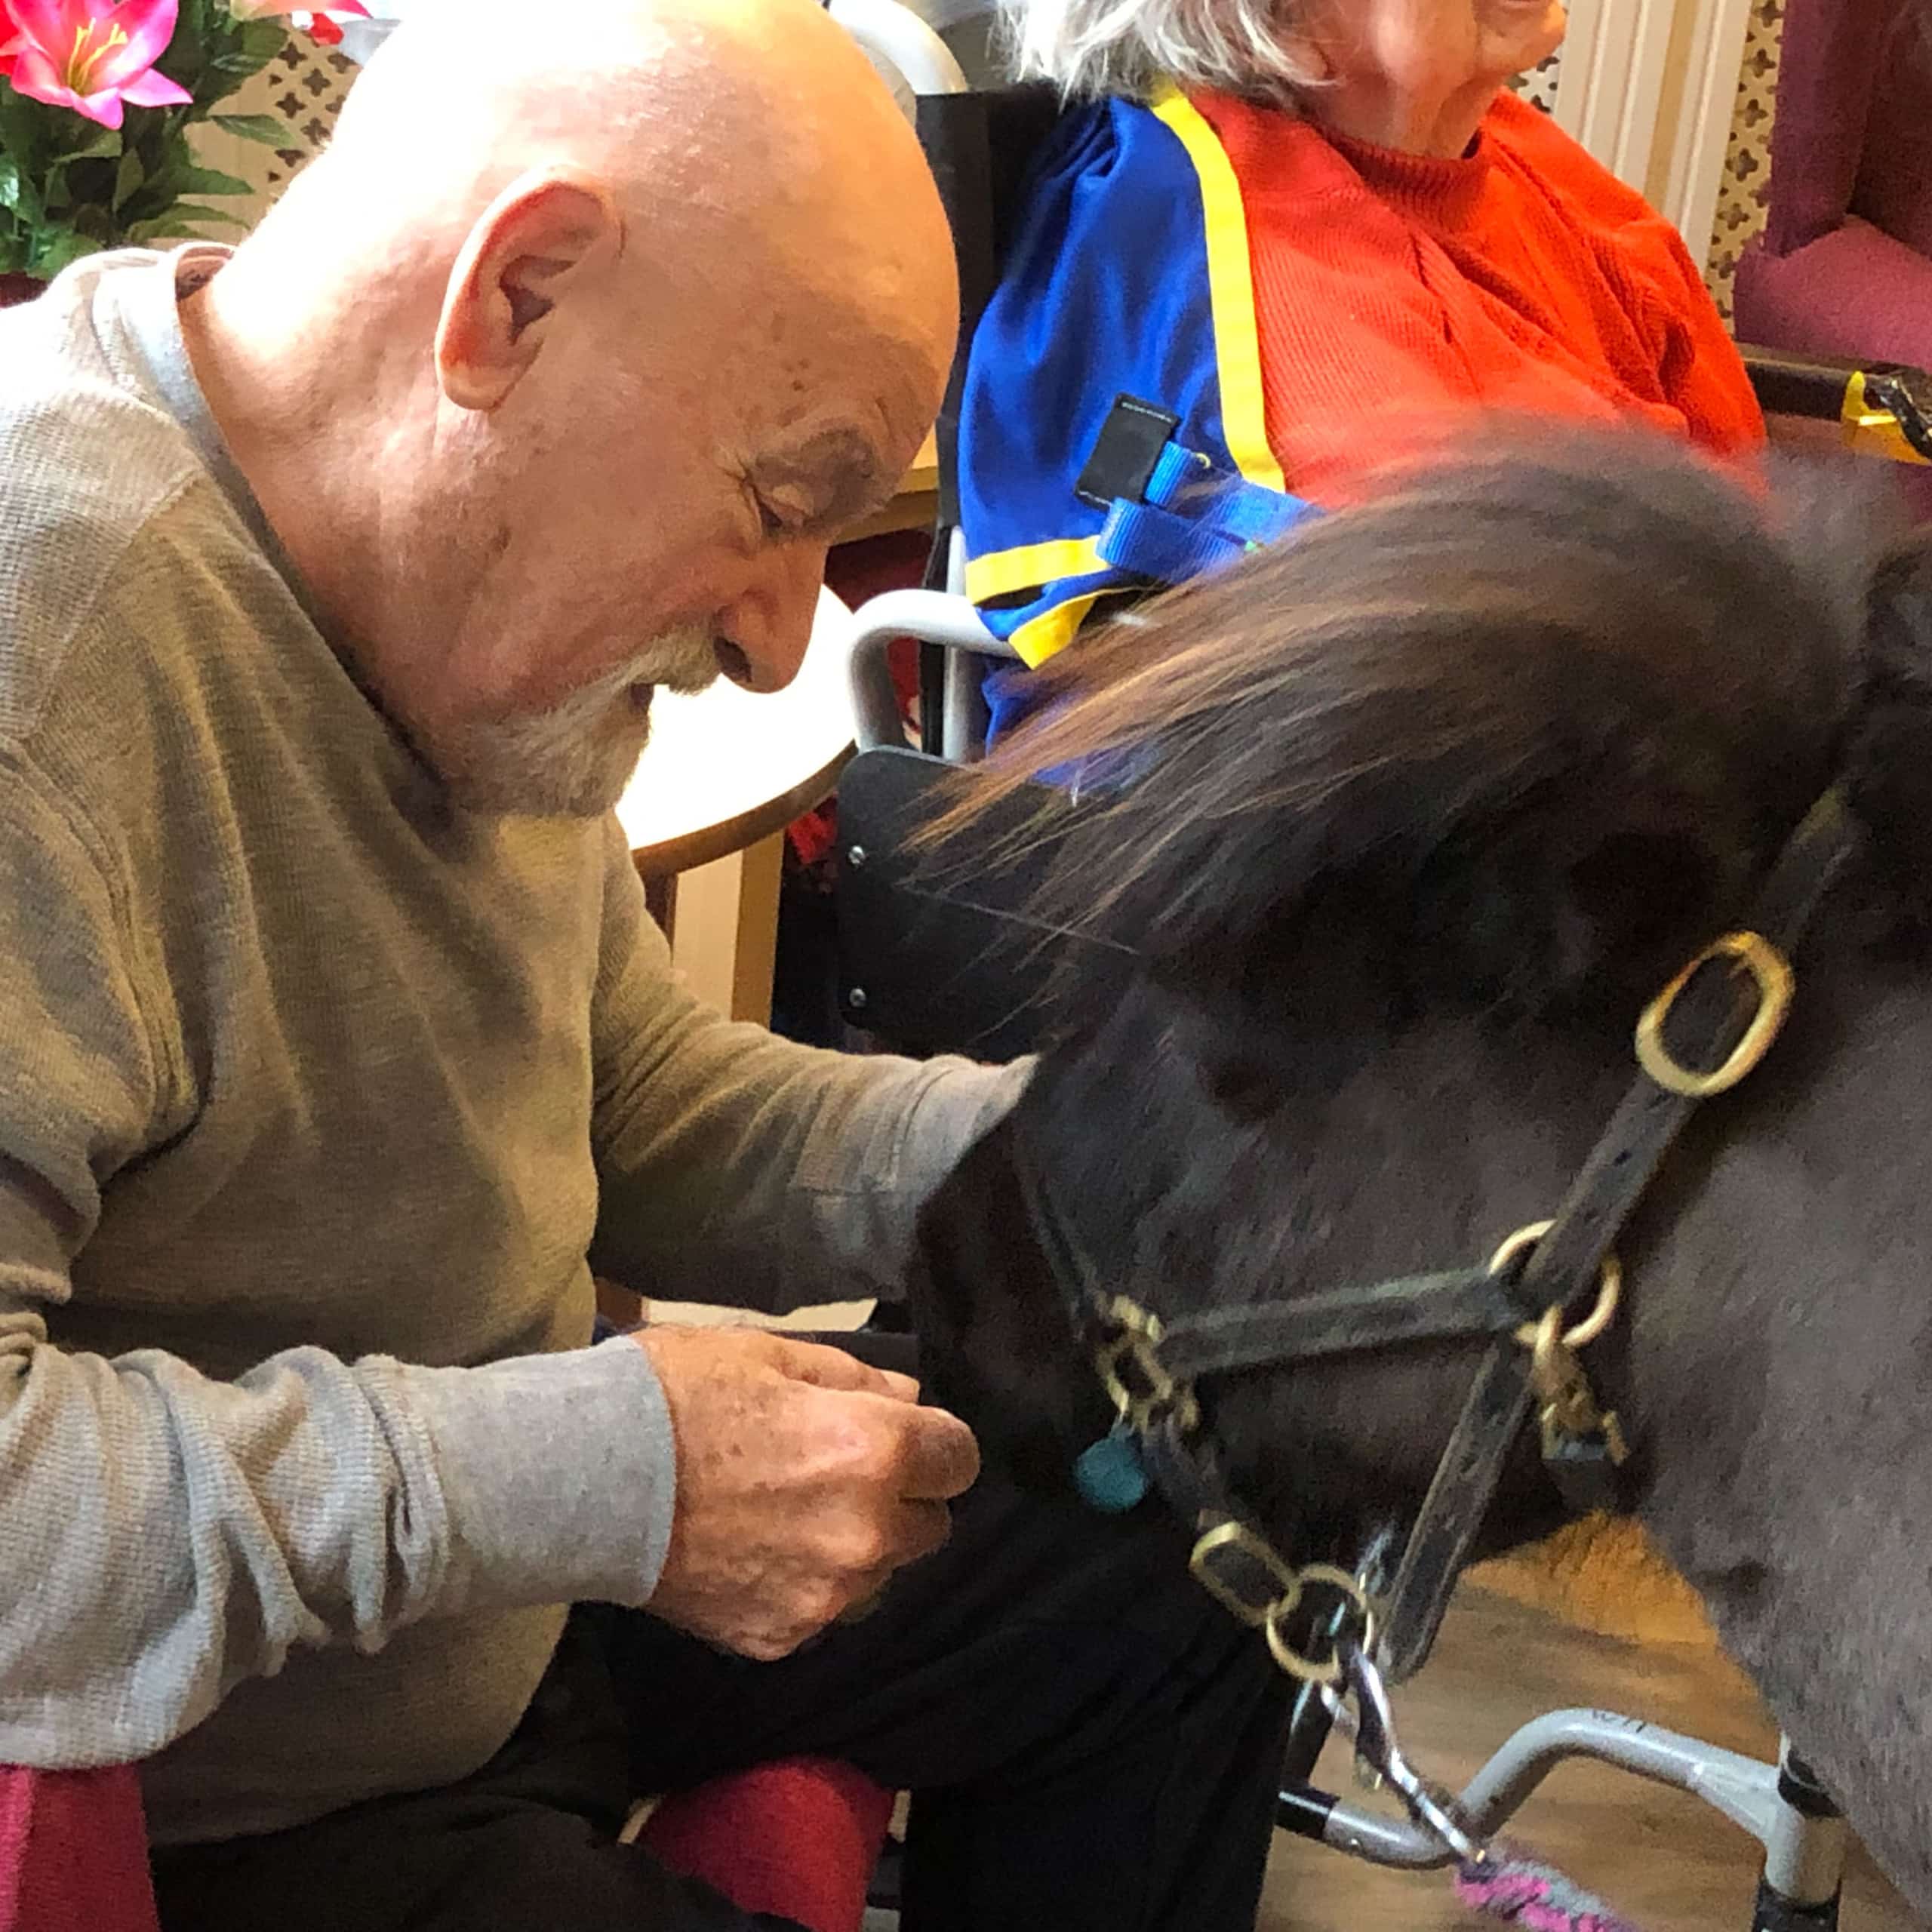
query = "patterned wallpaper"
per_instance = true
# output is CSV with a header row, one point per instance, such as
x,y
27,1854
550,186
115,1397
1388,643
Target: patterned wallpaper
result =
x,y
1746,183
306,84
1538,87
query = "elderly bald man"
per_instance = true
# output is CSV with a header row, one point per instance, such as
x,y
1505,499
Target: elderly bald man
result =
x,y
336,576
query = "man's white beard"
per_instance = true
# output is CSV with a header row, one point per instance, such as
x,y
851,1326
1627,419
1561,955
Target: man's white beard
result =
x,y
574,759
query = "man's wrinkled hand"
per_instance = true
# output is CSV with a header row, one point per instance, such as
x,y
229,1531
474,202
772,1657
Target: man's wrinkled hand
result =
x,y
805,1478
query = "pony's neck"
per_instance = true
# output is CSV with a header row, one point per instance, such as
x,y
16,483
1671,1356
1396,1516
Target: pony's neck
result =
x,y
996,1342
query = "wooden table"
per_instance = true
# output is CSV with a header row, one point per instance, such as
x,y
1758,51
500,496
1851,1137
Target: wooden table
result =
x,y
706,811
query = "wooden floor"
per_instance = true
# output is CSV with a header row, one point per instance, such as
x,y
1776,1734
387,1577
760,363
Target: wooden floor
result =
x,y
1666,1863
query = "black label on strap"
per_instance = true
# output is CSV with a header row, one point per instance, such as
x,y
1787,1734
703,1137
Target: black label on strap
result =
x,y
1125,452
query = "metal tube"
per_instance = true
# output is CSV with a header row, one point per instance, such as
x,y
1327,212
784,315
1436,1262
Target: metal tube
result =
x,y
965,718
1744,1789
1804,1850
1304,1811
934,617
903,42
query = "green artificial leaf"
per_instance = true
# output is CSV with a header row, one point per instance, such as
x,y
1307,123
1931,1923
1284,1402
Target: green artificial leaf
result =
x,y
248,50
127,177
159,151
99,142
10,183
182,219
23,123
220,217
57,249
189,179
269,129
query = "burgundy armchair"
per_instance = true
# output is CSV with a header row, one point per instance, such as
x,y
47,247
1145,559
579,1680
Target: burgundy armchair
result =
x,y
1844,265
73,1852
798,1838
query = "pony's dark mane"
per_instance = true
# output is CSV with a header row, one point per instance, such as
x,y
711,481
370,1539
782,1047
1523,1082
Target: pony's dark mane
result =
x,y
1530,715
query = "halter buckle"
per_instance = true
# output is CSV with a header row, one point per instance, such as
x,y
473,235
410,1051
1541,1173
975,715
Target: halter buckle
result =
x,y
1775,983
1254,1583
1358,1630
1245,1574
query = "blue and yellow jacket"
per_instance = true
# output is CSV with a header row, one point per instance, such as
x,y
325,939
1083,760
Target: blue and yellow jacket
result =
x,y
1126,306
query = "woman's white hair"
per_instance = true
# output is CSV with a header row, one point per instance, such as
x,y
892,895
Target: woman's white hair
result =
x,y
1090,47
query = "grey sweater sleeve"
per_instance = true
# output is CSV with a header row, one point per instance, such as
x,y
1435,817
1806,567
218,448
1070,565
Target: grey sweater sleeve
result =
x,y
167,1534
741,1169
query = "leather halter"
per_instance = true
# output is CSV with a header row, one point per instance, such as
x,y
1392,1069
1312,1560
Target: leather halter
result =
x,y
1149,1366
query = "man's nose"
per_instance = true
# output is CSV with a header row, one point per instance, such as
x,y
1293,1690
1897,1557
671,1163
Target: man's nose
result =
x,y
766,629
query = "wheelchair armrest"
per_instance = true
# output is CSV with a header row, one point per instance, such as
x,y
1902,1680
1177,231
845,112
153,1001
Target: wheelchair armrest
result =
x,y
1885,406
902,40
932,616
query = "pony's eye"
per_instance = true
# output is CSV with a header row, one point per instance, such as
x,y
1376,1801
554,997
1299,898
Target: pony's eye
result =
x,y
774,525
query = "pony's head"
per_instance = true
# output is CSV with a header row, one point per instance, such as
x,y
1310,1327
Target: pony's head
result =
x,y
1407,818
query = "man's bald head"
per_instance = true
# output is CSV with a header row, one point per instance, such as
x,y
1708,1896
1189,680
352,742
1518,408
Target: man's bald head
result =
x,y
712,122
632,315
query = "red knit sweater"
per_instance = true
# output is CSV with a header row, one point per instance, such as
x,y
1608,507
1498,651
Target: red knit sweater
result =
x,y
1392,288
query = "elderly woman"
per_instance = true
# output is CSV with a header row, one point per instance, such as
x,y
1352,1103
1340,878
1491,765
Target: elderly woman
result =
x,y
1305,230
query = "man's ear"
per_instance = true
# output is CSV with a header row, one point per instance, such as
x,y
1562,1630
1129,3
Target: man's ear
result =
x,y
547,230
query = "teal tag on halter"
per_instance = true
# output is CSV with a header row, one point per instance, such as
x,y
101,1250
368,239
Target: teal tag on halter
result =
x,y
1110,1475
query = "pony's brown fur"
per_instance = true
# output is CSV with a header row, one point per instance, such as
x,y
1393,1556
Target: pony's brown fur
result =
x,y
1407,817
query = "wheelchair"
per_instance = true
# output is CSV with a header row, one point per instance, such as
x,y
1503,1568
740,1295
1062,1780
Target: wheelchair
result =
x,y
943,952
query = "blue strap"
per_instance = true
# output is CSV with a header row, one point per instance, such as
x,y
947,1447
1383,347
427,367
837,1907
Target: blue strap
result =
x,y
1160,544
1257,515
1193,518
1175,469
1184,480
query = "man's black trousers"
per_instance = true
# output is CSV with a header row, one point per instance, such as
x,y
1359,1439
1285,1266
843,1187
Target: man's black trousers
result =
x,y
1092,1744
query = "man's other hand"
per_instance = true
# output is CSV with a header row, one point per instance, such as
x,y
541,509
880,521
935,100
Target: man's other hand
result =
x,y
804,1479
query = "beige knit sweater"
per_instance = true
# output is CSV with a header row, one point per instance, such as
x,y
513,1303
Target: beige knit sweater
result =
x,y
314,1095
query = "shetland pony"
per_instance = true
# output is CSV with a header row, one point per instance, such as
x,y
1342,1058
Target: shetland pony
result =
x,y
1407,818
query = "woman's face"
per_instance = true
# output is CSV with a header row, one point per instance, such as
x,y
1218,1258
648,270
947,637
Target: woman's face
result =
x,y
1401,63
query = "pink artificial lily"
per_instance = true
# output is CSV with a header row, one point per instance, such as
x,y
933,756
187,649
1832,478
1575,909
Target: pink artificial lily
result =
x,y
90,55
325,24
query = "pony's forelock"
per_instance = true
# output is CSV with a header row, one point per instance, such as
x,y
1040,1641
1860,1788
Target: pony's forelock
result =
x,y
1460,697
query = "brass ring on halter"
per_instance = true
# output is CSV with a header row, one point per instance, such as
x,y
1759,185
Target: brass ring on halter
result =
x,y
1775,983
1317,1670
1140,1342
1266,1560
1610,1288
